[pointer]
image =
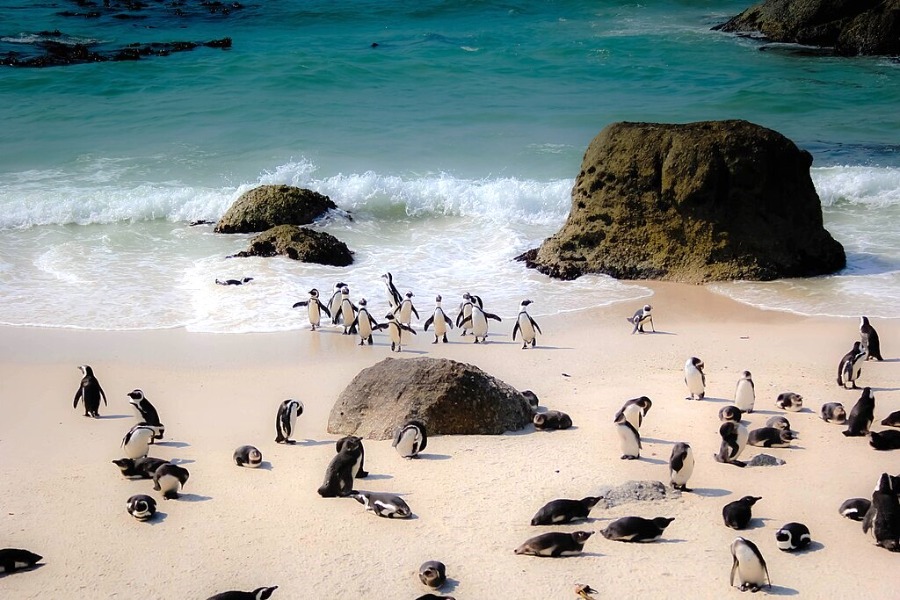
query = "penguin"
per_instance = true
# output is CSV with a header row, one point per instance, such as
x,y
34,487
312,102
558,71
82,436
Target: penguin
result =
x,y
394,298
792,536
147,413
555,544
744,393
778,422
365,324
531,397
14,559
730,413
639,317
855,509
883,516
141,506
139,468
552,419
347,312
137,441
734,440
389,506
885,440
527,326
868,338
694,378
629,439
433,573
479,321
633,411
410,439
89,392
636,529
434,597
286,419
861,415
359,471
833,412
584,591
263,593
441,322
749,565
564,510
339,473
240,281
247,456
396,329
681,466
314,308
770,437
406,310
789,401
168,479
334,302
737,514
464,318
892,420
850,366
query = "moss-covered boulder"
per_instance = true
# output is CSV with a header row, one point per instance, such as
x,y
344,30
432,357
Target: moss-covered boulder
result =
x,y
300,243
266,206
706,201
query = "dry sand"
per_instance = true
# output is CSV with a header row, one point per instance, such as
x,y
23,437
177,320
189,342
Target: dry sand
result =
x,y
473,496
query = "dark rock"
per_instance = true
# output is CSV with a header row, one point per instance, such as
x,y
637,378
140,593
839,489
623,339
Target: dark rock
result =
x,y
637,491
850,27
765,460
51,53
448,396
266,206
706,201
300,243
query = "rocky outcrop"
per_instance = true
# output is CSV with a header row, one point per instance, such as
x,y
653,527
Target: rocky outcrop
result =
x,y
52,53
266,206
706,201
448,396
637,491
850,27
300,243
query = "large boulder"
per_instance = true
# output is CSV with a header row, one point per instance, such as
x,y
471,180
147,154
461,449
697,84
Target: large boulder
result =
x,y
851,27
706,201
448,396
266,206
300,243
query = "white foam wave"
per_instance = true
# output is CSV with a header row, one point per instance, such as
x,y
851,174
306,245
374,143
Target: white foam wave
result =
x,y
870,186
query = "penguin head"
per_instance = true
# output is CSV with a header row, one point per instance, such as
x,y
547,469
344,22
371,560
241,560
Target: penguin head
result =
x,y
647,308
525,303
345,291
136,396
581,536
314,293
389,316
437,298
409,294
863,322
86,370
362,301
466,296
663,522
746,374
750,500
339,286
246,280
263,593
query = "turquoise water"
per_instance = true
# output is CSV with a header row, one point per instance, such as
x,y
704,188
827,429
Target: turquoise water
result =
x,y
455,140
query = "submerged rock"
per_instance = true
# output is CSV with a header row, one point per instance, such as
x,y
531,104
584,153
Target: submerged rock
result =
x,y
267,206
300,243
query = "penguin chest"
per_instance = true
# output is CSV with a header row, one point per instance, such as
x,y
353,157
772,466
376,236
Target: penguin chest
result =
x,y
682,476
467,313
347,312
479,324
440,324
168,483
313,311
526,328
138,445
396,333
743,434
744,397
405,313
365,325
750,569
694,380
628,440
408,445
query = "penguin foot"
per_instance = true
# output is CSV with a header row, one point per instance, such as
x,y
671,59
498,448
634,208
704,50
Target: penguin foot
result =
x,y
435,341
737,463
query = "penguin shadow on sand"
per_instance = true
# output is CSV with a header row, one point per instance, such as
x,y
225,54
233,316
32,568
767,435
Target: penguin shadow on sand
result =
x,y
653,461
310,442
157,519
183,497
875,389
709,492
182,461
263,466
756,523
377,476
428,456
114,417
172,444
780,590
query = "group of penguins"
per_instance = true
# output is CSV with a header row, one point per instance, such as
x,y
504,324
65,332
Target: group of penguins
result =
x,y
357,320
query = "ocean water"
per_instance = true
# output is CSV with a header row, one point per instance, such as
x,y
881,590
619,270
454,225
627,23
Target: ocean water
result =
x,y
451,131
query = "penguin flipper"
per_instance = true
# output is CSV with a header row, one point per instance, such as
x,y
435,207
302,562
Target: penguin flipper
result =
x,y
734,566
324,309
447,321
408,328
428,322
515,330
678,461
415,312
300,304
465,320
77,397
535,325
102,395
492,316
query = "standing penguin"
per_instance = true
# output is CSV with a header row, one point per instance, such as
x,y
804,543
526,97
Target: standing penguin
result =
x,y
410,439
441,322
527,326
395,330
89,392
632,413
850,366
365,323
355,445
749,565
406,310
744,393
347,312
334,303
339,473
734,440
629,438
883,516
263,593
137,441
286,419
147,413
314,308
694,378
640,317
394,298
464,318
869,340
861,415
681,466
479,320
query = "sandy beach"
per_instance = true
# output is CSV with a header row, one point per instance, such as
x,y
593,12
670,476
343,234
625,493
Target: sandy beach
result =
x,y
472,496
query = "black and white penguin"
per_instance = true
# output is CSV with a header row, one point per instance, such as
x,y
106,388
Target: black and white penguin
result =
x,y
749,565
389,506
855,509
286,420
629,439
770,437
861,415
263,593
730,413
406,310
139,468
833,412
14,559
640,317
410,439
681,466
550,420
737,514
744,393
146,413
339,473
395,331
464,318
347,312
240,281
136,442
734,440
355,445
869,342
90,393
883,516
334,302
394,298
778,422
532,398
892,420
888,439
442,323
792,536
365,324
633,411
555,544
479,320
789,401
247,456
433,573
141,507
850,367
694,378
564,510
527,326
168,479
636,529
314,308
